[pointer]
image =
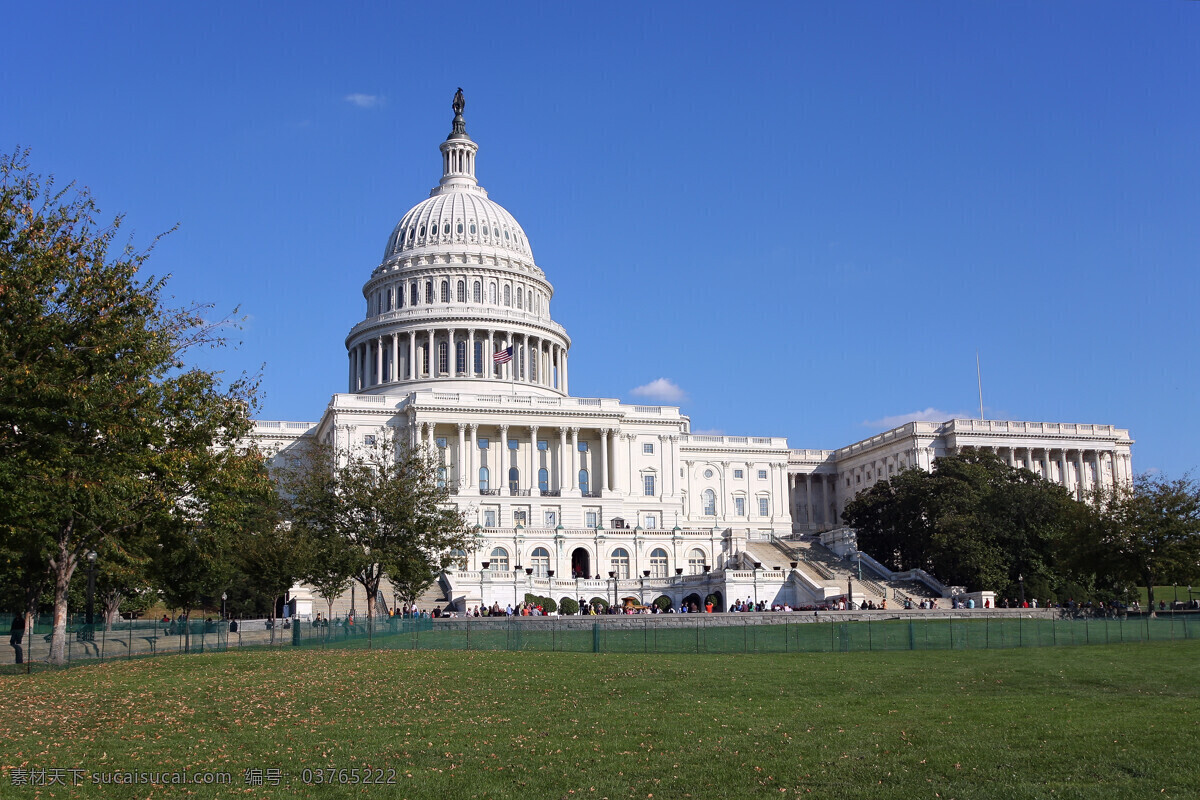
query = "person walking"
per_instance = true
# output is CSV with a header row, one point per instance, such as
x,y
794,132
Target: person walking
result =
x,y
15,634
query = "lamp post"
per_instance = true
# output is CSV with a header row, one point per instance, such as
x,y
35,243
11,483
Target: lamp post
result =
x,y
224,597
1021,580
91,593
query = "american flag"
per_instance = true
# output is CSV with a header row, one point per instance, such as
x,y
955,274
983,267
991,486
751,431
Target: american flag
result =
x,y
502,356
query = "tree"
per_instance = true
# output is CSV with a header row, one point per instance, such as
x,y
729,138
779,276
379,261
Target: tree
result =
x,y
102,423
1150,532
973,521
385,502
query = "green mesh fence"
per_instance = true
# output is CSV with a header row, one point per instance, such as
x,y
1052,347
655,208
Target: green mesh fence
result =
x,y
723,633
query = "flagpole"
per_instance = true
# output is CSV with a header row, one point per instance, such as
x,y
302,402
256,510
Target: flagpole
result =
x,y
979,378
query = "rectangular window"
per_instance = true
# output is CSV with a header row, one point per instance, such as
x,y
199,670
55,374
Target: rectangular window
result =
x,y
369,440
483,444
514,444
648,485
762,474
737,473
648,448
764,506
551,519
592,518
651,521
739,506
489,518
543,444
441,441
519,517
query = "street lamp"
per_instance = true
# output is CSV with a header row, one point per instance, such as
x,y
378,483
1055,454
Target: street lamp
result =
x,y
1021,580
91,592
224,597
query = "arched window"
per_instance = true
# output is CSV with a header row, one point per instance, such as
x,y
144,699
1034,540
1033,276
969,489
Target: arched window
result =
x,y
425,360
478,365
543,480
514,480
540,561
443,351
477,292
445,291
416,295
520,295
472,228
429,292
658,563
389,299
483,480
460,358
696,562
710,503
507,295
620,562
441,478
458,559
533,365
399,297
583,482
492,293
500,560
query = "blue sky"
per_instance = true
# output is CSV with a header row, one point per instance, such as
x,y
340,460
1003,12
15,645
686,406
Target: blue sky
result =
x,y
806,217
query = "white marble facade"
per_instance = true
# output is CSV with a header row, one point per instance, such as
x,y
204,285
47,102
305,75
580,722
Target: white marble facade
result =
x,y
575,488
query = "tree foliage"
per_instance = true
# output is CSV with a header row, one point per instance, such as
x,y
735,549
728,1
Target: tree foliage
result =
x,y
378,508
973,521
1149,534
103,426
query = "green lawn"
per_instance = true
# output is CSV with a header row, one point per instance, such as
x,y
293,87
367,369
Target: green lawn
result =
x,y
1117,721
1168,593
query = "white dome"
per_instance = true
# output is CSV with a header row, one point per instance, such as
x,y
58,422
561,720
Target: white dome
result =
x,y
454,216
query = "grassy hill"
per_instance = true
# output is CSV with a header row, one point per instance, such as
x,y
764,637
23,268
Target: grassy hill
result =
x,y
1095,722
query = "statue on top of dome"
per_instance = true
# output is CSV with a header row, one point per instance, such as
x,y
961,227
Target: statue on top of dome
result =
x,y
460,126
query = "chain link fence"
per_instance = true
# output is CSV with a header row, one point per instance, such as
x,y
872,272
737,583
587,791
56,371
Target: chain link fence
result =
x,y
700,633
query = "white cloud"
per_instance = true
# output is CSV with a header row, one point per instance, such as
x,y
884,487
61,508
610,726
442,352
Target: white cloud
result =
x,y
925,415
660,389
363,100
709,432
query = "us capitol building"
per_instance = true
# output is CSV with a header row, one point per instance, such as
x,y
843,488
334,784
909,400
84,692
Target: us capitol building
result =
x,y
589,496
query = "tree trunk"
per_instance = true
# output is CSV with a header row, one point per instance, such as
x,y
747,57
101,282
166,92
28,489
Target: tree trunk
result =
x,y
62,567
112,606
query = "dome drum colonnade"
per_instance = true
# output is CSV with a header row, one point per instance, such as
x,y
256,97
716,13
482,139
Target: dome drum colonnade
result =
x,y
458,284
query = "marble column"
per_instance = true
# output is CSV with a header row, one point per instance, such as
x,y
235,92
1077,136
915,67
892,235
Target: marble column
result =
x,y
504,461
461,461
604,439
472,471
562,460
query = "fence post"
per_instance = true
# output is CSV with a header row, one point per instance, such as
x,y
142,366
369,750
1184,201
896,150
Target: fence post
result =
x,y
912,642
595,637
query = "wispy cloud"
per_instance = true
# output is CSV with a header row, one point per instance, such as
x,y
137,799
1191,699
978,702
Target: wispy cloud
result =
x,y
660,389
925,415
364,100
709,432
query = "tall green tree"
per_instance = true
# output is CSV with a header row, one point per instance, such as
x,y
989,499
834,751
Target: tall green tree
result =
x,y
973,521
1149,534
103,425
384,502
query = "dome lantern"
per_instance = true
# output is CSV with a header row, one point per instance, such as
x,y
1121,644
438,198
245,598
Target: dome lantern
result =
x,y
458,151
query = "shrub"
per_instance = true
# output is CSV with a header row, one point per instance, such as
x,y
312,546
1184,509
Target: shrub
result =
x,y
663,602
599,602
568,606
548,604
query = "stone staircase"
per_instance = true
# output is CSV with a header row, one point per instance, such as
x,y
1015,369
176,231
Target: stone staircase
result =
x,y
827,569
